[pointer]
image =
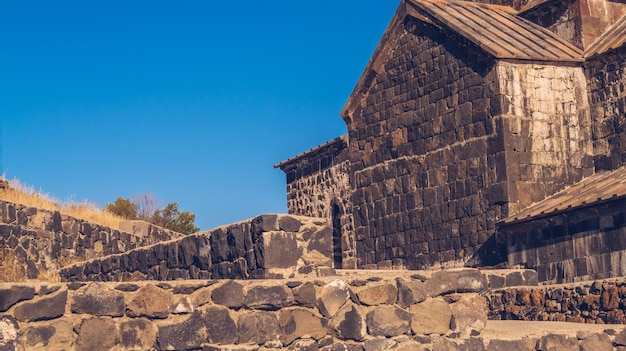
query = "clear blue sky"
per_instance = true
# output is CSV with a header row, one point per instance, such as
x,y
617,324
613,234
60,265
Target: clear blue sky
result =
x,y
192,101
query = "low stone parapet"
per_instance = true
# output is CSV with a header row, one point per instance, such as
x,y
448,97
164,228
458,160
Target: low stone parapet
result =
x,y
43,240
267,246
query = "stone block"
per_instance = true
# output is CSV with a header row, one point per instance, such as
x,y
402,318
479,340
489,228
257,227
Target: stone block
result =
x,y
289,224
469,314
556,342
388,321
229,294
138,334
596,342
191,333
383,293
14,294
508,345
57,335
98,300
258,327
263,223
432,316
410,292
150,301
220,326
305,295
44,308
296,323
455,280
268,297
280,249
349,323
98,333
332,297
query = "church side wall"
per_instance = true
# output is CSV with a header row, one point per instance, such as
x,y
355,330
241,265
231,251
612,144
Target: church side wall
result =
x,y
424,149
606,76
546,129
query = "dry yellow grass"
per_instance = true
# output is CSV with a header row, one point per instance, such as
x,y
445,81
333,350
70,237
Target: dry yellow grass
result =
x,y
26,195
10,269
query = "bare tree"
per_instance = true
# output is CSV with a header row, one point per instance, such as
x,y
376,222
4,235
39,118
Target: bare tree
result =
x,y
147,206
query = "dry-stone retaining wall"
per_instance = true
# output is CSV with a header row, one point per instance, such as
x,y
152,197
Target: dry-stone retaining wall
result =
x,y
267,246
590,302
408,310
43,240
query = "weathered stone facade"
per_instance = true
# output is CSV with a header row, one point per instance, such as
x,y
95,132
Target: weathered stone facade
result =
x,y
420,153
318,186
606,75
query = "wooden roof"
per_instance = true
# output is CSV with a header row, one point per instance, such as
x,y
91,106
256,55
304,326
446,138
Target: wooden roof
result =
x,y
612,38
599,188
498,31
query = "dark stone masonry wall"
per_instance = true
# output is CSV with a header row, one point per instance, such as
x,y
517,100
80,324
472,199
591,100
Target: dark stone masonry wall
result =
x,y
267,246
586,244
597,302
606,75
43,240
360,311
318,185
424,151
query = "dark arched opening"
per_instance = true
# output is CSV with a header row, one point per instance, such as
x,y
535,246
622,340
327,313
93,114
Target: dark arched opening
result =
x,y
337,251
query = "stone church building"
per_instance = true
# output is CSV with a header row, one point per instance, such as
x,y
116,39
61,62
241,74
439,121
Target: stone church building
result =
x,y
481,134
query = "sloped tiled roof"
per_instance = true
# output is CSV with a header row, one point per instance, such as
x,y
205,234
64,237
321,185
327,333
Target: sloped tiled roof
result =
x,y
598,188
498,31
612,38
